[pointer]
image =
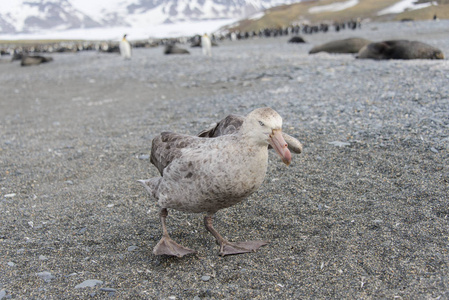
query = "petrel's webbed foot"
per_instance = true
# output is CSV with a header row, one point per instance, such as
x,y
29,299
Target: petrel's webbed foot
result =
x,y
228,248
166,245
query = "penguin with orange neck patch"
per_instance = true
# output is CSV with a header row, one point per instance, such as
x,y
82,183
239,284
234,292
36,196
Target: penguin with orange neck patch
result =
x,y
125,48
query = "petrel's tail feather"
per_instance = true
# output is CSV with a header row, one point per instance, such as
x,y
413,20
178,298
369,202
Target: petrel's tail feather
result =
x,y
151,185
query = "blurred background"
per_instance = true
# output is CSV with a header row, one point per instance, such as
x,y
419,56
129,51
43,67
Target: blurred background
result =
x,y
154,19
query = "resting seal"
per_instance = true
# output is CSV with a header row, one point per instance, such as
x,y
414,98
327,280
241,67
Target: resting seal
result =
x,y
173,49
400,49
351,45
296,39
34,60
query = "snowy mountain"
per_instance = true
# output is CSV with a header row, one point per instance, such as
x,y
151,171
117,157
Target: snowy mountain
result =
x,y
32,16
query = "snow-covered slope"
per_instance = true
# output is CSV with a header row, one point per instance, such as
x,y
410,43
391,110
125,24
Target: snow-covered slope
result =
x,y
28,16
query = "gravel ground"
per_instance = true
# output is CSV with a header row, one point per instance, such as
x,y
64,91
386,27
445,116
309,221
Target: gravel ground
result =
x,y
362,213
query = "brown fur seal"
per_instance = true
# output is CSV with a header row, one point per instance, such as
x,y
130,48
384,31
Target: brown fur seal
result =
x,y
173,49
296,39
351,45
400,49
34,60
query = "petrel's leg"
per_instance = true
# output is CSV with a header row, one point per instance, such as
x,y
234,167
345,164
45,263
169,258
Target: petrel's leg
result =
x,y
166,245
228,248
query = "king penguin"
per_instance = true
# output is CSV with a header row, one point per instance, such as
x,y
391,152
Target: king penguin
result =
x,y
125,48
206,45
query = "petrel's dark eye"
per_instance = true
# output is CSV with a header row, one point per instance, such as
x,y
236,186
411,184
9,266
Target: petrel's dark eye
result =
x,y
261,123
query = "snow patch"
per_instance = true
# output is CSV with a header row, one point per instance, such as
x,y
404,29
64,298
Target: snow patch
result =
x,y
403,6
333,7
257,16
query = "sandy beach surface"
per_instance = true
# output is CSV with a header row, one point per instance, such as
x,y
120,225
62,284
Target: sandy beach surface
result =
x,y
362,213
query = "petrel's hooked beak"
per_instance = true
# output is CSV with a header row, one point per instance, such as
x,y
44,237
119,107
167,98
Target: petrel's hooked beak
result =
x,y
280,145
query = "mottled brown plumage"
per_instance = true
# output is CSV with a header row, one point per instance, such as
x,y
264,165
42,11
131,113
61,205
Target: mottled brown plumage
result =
x,y
232,124
228,125
201,174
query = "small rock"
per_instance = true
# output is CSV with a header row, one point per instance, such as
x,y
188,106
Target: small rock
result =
x,y
46,276
10,195
434,150
88,283
132,248
339,144
144,156
42,257
2,294
108,290
205,278
388,95
11,264
68,182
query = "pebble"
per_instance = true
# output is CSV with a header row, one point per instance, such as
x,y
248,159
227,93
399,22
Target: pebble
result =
x,y
88,283
10,195
205,278
144,156
11,264
46,276
339,144
2,294
132,248
434,150
42,257
108,290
